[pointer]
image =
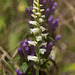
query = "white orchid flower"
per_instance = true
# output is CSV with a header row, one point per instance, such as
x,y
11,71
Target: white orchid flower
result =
x,y
32,58
39,38
32,43
42,28
42,50
33,23
44,44
34,31
44,35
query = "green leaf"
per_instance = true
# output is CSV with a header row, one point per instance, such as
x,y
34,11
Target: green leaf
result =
x,y
29,73
9,65
24,67
16,58
51,38
68,68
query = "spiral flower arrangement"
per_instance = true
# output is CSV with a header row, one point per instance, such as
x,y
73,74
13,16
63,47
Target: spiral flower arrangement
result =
x,y
35,53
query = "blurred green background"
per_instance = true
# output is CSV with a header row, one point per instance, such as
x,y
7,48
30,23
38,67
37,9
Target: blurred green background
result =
x,y
14,28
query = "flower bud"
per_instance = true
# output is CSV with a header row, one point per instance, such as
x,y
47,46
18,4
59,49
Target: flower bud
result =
x,y
38,14
41,20
57,38
47,11
41,10
43,16
33,23
34,16
36,8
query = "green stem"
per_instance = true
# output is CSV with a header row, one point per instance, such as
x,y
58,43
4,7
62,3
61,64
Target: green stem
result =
x,y
37,71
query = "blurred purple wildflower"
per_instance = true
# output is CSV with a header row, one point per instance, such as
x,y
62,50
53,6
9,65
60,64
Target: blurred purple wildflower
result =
x,y
25,49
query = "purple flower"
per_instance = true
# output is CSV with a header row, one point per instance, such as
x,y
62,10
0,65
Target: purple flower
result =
x,y
19,72
25,49
50,45
57,38
50,57
29,12
49,49
20,53
47,11
32,50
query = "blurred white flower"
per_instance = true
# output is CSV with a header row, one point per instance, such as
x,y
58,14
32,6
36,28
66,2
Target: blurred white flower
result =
x,y
33,15
38,13
36,8
34,31
32,58
42,28
33,23
41,20
43,16
44,44
39,38
32,43
44,35
42,51
41,10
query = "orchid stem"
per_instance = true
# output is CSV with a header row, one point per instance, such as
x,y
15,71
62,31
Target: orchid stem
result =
x,y
37,71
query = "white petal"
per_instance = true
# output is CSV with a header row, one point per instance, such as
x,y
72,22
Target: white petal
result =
x,y
43,16
41,5
33,22
42,28
32,58
36,8
44,35
33,15
44,44
39,38
42,51
41,20
34,31
38,13
41,10
32,43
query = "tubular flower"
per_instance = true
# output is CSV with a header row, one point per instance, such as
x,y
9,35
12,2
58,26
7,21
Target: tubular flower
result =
x,y
42,51
32,43
32,58
35,30
19,72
